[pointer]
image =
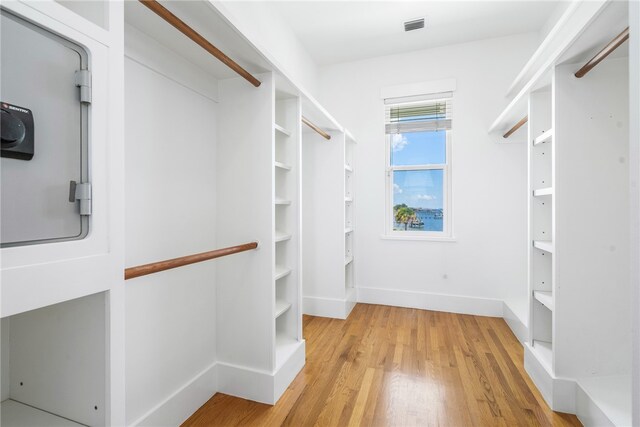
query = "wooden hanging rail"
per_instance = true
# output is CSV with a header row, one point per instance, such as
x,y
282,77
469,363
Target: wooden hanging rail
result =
x,y
516,127
613,45
164,13
155,267
316,128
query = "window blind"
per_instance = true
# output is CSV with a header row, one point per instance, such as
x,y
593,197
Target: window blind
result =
x,y
418,114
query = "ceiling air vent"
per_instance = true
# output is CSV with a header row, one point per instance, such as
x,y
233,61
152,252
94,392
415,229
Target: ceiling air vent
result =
x,y
414,24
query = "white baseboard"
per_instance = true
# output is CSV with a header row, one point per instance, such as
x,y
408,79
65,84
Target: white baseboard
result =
x,y
247,383
431,301
175,409
588,412
288,371
559,393
605,400
257,385
518,328
326,307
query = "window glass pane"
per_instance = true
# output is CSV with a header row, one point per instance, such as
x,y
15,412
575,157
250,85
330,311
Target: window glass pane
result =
x,y
418,200
418,148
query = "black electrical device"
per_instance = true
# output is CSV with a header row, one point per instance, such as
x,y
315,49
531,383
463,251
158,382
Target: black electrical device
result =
x,y
16,131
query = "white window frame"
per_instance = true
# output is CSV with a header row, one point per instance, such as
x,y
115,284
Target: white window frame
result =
x,y
447,227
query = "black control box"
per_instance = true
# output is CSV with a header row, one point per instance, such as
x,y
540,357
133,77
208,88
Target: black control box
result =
x,y
17,132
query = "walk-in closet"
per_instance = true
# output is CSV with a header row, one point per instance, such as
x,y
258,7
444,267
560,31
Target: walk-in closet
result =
x,y
319,213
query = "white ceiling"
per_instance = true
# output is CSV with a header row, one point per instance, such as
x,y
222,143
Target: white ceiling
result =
x,y
340,31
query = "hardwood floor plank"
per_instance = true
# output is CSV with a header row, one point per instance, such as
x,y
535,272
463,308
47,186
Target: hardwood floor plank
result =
x,y
390,366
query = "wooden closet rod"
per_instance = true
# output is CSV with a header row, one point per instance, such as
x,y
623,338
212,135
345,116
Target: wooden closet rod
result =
x,y
162,12
155,267
516,127
316,128
613,45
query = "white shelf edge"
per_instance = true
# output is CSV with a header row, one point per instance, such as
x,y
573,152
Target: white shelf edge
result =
x,y
545,298
547,136
544,352
281,307
543,245
281,165
348,168
18,414
350,137
547,191
281,272
348,260
279,201
574,20
281,236
280,129
348,230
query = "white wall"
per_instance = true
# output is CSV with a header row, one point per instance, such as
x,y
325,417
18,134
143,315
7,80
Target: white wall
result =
x,y
488,260
634,172
170,212
262,25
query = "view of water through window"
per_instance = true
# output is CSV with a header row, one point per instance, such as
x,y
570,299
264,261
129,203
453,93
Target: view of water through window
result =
x,y
418,202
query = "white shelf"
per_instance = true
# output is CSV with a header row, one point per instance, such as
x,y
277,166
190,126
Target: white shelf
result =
x,y
281,272
546,136
544,352
545,298
540,192
348,168
281,236
612,395
348,230
348,199
16,414
282,166
348,260
281,307
543,245
280,129
280,201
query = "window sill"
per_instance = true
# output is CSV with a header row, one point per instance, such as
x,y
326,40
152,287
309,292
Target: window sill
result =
x,y
422,238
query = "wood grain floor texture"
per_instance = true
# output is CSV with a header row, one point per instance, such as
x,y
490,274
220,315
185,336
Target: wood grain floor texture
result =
x,y
390,366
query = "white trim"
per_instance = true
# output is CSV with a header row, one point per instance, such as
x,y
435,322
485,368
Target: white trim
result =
x,y
559,393
182,403
589,414
519,329
418,237
418,99
334,308
258,385
419,88
432,301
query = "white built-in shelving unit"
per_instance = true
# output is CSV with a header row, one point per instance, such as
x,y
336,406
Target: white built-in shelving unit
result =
x,y
540,202
579,344
287,262
349,217
62,305
329,285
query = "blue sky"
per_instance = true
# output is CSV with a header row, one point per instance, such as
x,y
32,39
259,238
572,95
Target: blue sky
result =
x,y
418,188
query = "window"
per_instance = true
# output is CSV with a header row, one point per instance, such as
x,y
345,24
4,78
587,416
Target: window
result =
x,y
418,134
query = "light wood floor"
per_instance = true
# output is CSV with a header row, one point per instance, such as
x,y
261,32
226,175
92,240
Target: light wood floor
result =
x,y
389,366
